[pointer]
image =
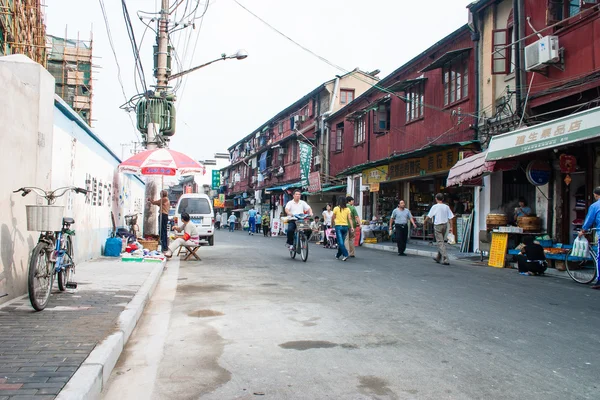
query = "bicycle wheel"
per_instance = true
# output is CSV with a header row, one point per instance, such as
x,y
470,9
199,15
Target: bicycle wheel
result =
x,y
581,270
41,277
66,274
293,251
303,247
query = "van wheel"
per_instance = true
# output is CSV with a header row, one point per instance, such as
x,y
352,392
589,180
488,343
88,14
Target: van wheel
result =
x,y
211,241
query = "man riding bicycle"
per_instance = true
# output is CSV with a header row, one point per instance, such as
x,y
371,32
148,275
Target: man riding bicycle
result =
x,y
295,207
592,219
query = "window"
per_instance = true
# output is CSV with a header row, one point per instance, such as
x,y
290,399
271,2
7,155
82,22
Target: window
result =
x,y
346,96
193,205
381,118
356,191
293,152
280,129
456,81
414,102
339,137
500,54
561,9
359,130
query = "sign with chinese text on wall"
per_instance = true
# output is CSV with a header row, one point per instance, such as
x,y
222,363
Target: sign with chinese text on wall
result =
x,y
435,162
216,179
562,131
375,175
305,159
314,182
217,203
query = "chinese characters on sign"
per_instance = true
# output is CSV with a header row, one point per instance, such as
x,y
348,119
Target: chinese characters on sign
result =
x,y
314,182
533,140
435,162
305,160
375,175
216,179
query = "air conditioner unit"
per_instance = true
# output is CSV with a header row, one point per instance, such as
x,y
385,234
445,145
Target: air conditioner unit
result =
x,y
302,118
541,53
317,160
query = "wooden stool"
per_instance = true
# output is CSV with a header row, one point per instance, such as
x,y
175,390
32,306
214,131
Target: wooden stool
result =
x,y
190,251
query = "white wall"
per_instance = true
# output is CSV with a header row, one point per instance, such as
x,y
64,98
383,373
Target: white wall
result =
x,y
48,145
26,109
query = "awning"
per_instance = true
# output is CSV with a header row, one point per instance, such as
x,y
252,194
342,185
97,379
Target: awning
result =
x,y
327,189
405,84
446,58
470,171
284,187
563,131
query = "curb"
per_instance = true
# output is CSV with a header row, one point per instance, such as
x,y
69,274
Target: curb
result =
x,y
92,375
414,252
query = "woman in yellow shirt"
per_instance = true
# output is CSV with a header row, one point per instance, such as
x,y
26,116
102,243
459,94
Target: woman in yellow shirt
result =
x,y
342,222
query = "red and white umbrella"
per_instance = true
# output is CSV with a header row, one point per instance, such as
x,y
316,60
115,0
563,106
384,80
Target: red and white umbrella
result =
x,y
164,162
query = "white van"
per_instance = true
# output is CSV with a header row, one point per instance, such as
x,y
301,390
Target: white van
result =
x,y
200,209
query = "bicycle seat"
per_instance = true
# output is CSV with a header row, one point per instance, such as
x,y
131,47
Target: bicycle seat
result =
x,y
68,221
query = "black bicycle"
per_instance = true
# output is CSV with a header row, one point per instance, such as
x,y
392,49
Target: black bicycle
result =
x,y
300,237
53,254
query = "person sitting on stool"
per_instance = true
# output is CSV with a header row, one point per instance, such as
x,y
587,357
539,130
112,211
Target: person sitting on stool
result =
x,y
532,260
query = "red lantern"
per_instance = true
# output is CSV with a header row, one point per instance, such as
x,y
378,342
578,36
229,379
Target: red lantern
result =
x,y
568,164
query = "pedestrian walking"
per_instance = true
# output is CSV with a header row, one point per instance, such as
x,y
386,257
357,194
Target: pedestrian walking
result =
x,y
232,220
592,220
258,222
401,217
164,204
343,223
218,221
266,224
251,221
441,214
354,223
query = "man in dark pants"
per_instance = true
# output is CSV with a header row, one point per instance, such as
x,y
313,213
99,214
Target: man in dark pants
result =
x,y
164,205
401,216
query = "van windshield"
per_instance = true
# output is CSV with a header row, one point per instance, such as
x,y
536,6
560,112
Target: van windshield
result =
x,y
194,206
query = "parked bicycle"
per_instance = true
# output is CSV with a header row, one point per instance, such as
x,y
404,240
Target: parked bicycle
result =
x,y
53,253
131,222
300,237
583,269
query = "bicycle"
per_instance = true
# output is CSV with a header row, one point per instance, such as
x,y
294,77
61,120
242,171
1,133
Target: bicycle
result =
x,y
300,238
583,269
53,253
131,222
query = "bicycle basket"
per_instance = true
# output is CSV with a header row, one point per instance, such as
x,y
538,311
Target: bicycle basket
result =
x,y
44,218
303,226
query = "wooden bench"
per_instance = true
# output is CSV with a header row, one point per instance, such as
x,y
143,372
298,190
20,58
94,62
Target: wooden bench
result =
x,y
190,251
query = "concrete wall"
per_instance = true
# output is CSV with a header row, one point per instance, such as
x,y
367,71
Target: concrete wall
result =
x,y
48,145
26,109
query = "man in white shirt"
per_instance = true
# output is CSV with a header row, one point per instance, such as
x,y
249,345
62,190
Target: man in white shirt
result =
x,y
441,214
294,207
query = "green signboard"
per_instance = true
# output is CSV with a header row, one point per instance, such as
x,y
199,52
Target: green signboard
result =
x,y
216,179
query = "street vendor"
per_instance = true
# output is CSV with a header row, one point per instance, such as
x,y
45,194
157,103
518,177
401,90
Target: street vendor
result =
x,y
189,235
523,210
164,205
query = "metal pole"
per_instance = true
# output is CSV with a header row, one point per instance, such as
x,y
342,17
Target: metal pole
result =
x,y
151,212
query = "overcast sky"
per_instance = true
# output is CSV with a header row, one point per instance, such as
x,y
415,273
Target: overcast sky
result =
x,y
222,103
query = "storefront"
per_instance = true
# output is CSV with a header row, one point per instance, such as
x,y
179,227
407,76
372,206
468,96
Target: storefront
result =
x,y
558,167
417,180
371,180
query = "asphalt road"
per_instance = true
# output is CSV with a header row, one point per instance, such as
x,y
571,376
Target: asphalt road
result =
x,y
248,322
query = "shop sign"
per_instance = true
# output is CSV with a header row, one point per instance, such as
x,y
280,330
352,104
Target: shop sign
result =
x,y
435,162
560,132
314,182
374,187
217,203
538,172
375,175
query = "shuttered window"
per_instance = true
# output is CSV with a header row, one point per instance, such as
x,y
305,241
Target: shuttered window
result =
x,y
500,54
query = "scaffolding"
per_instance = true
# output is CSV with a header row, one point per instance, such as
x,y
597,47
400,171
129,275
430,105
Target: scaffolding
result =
x,y
22,29
70,62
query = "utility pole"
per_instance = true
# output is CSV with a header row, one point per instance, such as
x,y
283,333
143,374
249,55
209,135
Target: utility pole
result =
x,y
151,212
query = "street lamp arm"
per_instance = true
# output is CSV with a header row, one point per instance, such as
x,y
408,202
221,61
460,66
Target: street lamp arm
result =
x,y
240,55
180,74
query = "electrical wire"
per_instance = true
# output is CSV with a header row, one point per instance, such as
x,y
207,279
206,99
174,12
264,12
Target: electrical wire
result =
x,y
112,46
194,50
136,53
526,98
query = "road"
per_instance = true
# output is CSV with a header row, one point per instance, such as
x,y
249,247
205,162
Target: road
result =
x,y
248,322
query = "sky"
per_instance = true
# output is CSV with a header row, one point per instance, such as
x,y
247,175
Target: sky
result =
x,y
225,101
